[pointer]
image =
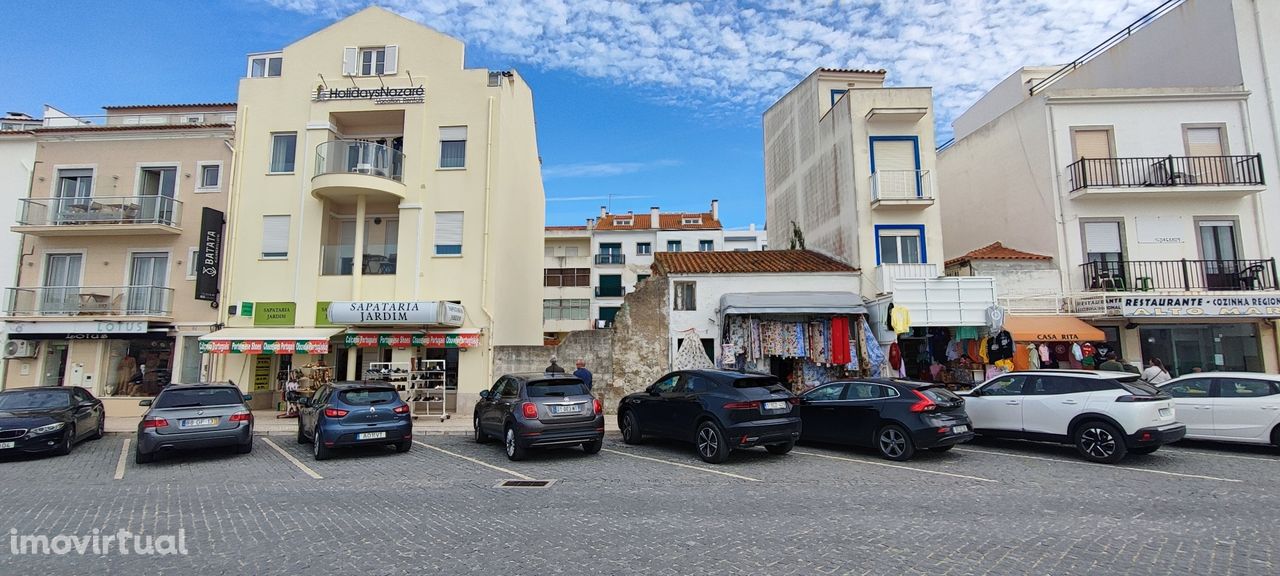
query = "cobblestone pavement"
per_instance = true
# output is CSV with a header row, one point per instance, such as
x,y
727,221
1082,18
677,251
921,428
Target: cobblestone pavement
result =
x,y
993,507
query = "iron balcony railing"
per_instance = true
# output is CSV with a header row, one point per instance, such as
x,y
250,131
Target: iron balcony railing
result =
x,y
1166,171
72,211
901,185
609,291
1186,275
359,157
90,300
611,258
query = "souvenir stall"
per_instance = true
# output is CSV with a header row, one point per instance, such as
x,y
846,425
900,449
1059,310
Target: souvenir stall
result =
x,y
958,356
805,339
1064,342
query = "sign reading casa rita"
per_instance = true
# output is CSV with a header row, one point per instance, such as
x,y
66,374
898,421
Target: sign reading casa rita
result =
x,y
429,312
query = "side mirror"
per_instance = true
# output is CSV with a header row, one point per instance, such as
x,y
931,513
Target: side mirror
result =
x,y
484,394
975,392
652,391
248,397
85,405
146,402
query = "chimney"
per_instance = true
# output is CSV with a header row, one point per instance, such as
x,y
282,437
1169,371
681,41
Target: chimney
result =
x,y
752,227
591,223
602,212
654,217
715,209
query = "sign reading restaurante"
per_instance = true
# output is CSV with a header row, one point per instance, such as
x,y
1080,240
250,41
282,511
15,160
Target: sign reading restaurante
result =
x,y
1201,306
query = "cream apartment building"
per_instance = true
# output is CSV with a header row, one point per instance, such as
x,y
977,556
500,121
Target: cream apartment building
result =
x,y
1150,194
115,223
390,218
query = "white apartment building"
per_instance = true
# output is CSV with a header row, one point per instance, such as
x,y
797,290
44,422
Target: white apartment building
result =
x,y
17,164
1146,182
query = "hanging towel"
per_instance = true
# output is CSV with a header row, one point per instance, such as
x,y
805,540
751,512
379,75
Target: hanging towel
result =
x,y
874,353
966,333
840,340
692,355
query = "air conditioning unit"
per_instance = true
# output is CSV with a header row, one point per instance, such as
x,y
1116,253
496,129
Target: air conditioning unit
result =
x,y
20,349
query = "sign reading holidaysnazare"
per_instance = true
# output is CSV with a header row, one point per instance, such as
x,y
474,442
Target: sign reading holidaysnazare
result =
x,y
1201,306
382,95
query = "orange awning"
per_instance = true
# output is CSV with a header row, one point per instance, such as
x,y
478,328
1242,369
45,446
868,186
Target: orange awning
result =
x,y
1051,329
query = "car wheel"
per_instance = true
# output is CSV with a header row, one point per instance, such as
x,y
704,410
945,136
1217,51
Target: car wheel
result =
x,y
140,457
1100,442
480,436
404,446
942,448
594,446
894,443
515,450
712,446
321,451
1275,436
631,429
302,437
102,428
780,449
68,442
1144,450
246,447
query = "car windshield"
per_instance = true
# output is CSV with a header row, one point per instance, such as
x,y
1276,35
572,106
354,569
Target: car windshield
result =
x,y
939,394
194,397
556,388
770,383
34,399
368,396
1140,388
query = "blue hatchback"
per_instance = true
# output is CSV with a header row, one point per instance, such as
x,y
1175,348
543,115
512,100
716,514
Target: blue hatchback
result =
x,y
354,414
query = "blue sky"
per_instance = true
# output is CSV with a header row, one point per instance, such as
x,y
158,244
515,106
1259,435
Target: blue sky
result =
x,y
653,103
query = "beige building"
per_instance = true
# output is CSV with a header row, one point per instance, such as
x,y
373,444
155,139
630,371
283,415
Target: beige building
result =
x,y
390,213
106,291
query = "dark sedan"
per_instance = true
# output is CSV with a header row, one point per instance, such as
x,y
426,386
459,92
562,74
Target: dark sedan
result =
x,y
48,419
194,416
539,410
719,411
896,417
354,414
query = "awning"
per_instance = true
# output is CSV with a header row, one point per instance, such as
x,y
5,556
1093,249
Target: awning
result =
x,y
1051,329
411,338
792,303
268,341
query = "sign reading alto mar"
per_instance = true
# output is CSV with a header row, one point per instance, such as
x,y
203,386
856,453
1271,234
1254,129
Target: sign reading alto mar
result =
x,y
1201,306
209,263
429,312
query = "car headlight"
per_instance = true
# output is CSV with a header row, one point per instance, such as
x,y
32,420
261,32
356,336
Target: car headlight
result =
x,y
47,428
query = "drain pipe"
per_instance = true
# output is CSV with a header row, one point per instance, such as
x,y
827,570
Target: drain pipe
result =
x,y
217,370
484,273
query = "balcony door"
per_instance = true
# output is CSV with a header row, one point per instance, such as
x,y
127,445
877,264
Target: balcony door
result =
x,y
895,163
1218,250
1104,249
74,188
148,277
61,293
1207,163
1093,147
157,187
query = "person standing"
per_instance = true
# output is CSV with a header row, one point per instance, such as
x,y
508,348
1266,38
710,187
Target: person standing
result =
x,y
583,374
1111,364
554,368
1156,373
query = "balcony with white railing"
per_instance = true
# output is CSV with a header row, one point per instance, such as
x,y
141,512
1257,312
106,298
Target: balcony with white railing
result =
x,y
888,274
143,301
99,216
901,189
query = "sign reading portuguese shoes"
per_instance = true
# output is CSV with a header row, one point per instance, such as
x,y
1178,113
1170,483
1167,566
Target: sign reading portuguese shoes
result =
x,y
264,346
413,340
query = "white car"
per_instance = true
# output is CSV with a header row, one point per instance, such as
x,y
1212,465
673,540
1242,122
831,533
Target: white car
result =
x,y
1228,406
1106,415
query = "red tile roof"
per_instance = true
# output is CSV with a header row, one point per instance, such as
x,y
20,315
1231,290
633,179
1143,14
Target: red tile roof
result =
x,y
195,105
761,262
855,70
666,221
120,127
996,251
549,228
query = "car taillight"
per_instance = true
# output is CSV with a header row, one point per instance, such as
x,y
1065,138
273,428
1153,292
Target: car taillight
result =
x,y
1130,398
242,417
599,407
924,405
529,409
794,400
154,423
752,405
335,413
401,409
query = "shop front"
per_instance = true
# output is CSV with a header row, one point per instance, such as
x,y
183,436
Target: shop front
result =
x,y
1058,342
264,358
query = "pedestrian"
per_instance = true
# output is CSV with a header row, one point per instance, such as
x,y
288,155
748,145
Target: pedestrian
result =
x,y
1197,369
1156,373
583,374
554,368
1127,367
1111,364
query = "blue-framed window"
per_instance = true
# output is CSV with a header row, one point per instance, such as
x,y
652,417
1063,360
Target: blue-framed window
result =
x,y
897,157
835,95
900,244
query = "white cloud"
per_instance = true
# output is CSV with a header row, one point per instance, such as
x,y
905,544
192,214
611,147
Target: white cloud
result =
x,y
600,169
739,57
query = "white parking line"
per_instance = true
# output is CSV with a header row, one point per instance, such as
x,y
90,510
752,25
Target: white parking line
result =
x,y
124,456
296,462
888,465
474,461
1182,450
682,465
1081,462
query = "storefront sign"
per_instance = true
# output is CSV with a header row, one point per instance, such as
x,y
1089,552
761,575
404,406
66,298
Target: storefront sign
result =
x,y
430,312
412,340
1202,307
322,314
274,314
209,263
77,327
383,95
262,374
270,347
1108,305
1160,229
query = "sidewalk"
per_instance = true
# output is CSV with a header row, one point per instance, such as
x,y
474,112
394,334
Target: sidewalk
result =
x,y
265,423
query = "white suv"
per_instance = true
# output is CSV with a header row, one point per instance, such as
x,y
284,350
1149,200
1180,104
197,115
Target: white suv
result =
x,y
1105,414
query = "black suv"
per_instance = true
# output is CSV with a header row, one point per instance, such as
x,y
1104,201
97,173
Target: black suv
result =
x,y
717,410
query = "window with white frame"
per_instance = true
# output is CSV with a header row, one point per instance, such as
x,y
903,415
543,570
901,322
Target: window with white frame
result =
x,y
448,233
275,237
453,146
686,294
623,220
644,248
265,66
706,245
369,60
673,245
193,255
284,148
210,175
900,246
691,220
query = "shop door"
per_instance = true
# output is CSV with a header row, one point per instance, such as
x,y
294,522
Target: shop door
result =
x,y
148,277
61,293
55,365
1218,250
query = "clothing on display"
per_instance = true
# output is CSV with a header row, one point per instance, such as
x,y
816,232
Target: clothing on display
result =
x,y
900,319
691,355
995,320
1000,347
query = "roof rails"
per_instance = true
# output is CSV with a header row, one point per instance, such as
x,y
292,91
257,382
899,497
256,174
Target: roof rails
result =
x,y
1116,38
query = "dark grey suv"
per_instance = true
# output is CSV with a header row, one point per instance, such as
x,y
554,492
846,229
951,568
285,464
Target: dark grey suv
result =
x,y
537,410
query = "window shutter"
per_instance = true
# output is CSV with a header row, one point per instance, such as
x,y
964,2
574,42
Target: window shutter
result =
x,y
275,236
1102,237
390,59
1204,142
448,230
453,133
350,56
1093,143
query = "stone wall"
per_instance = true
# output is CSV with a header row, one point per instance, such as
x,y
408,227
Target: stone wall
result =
x,y
592,346
641,341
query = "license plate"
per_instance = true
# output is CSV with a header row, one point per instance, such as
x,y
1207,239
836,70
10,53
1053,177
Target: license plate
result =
x,y
775,405
199,422
4,445
370,435
571,409
1166,413
961,429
